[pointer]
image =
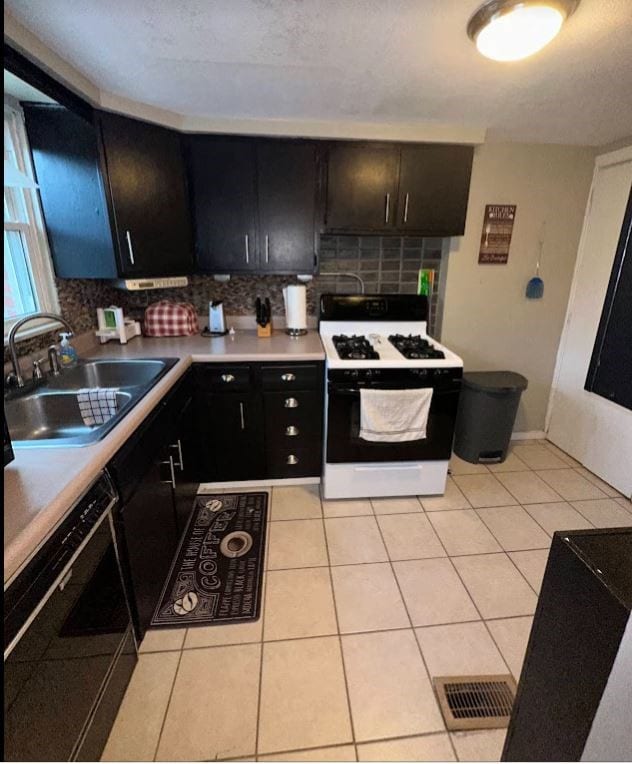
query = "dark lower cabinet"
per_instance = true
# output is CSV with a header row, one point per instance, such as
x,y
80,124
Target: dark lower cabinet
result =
x,y
583,608
156,497
148,532
257,421
230,436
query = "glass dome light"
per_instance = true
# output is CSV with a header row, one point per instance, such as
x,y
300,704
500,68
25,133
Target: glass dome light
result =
x,y
508,30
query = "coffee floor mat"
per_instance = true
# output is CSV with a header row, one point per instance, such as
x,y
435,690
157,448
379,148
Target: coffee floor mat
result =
x,y
217,574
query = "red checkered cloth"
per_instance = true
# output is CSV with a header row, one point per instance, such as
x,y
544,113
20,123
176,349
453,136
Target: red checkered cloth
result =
x,y
170,319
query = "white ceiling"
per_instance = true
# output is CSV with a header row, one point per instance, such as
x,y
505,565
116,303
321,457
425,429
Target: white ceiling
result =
x,y
382,61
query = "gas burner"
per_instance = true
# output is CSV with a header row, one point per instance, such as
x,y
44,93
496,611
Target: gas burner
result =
x,y
354,348
414,347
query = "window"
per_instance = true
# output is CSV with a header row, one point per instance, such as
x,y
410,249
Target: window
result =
x,y
29,284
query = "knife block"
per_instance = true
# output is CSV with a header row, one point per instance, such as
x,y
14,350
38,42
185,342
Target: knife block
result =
x,y
264,331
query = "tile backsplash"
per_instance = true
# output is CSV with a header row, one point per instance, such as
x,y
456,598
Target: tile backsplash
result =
x,y
386,264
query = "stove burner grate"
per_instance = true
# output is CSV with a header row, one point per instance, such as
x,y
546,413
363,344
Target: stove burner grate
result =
x,y
354,348
415,347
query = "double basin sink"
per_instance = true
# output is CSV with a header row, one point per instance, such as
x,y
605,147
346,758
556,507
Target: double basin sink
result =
x,y
49,415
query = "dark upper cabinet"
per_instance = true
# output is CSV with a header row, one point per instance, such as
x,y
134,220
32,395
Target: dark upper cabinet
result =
x,y
398,188
287,187
113,194
149,199
222,177
254,203
434,184
66,161
362,182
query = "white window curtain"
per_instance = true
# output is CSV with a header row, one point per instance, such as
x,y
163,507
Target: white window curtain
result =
x,y
29,283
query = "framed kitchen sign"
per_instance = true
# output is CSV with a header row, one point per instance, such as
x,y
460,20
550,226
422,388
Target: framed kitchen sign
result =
x,y
496,235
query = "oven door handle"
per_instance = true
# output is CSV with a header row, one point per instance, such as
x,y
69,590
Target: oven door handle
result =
x,y
351,392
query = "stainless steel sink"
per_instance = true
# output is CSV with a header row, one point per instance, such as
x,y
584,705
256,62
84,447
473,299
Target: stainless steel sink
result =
x,y
108,373
50,415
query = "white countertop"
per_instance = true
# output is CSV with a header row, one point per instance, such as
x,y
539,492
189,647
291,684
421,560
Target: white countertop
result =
x,y
42,483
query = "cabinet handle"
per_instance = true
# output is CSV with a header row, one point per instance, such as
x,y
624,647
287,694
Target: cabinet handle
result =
x,y
288,377
406,209
180,462
291,431
247,249
241,415
387,206
291,403
292,459
228,378
172,482
128,236
267,248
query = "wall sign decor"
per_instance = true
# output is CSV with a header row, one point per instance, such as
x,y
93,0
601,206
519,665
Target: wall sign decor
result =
x,y
496,235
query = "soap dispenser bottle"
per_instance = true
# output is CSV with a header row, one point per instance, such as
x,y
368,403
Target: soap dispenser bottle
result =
x,y
67,353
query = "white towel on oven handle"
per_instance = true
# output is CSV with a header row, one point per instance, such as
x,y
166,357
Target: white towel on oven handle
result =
x,y
394,416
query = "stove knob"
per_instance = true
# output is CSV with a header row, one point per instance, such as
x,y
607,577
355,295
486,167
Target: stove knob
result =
x,y
368,373
355,373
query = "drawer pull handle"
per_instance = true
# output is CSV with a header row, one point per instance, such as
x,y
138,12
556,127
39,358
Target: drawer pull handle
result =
x,y
291,403
291,431
292,459
288,377
228,378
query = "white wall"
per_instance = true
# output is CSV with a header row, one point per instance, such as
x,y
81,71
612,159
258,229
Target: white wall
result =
x,y
596,431
487,319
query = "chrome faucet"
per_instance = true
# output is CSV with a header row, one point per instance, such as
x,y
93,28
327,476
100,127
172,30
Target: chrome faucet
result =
x,y
17,377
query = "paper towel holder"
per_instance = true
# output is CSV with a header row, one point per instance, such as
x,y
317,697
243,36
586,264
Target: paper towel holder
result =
x,y
296,332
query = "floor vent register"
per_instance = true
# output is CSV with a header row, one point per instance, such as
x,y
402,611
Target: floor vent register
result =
x,y
475,702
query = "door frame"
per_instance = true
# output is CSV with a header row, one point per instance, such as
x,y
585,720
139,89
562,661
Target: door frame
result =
x,y
610,159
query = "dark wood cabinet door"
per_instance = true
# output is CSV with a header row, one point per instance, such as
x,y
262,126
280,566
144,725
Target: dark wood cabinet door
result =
x,y
150,535
66,160
184,452
362,187
149,199
230,435
286,185
222,177
433,189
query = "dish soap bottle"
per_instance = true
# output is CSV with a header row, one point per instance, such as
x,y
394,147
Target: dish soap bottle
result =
x,y
67,353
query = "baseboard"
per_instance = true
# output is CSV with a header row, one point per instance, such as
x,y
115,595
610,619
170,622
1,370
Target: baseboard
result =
x,y
531,435
210,487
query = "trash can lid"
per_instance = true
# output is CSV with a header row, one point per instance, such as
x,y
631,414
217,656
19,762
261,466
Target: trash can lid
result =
x,y
495,381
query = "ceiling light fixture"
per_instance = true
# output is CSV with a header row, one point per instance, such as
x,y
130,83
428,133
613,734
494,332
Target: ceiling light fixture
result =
x,y
508,30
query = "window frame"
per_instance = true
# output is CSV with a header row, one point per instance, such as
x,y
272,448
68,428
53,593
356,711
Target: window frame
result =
x,y
33,231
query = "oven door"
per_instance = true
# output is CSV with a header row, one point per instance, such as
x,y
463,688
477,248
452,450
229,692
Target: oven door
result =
x,y
344,445
66,673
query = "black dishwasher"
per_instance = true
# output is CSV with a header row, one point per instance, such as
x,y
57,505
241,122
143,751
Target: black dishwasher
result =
x,y
68,644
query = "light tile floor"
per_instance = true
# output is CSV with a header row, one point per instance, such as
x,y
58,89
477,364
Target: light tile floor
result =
x,y
366,601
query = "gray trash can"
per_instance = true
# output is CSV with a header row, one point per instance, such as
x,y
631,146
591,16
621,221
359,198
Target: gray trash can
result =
x,y
487,411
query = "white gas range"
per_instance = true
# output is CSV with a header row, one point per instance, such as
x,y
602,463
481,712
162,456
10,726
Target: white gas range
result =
x,y
381,342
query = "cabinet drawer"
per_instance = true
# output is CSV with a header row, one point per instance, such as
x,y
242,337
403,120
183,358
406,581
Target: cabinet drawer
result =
x,y
292,376
294,462
302,409
223,378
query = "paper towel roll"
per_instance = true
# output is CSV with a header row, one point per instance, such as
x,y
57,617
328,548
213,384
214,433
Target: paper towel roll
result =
x,y
295,297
